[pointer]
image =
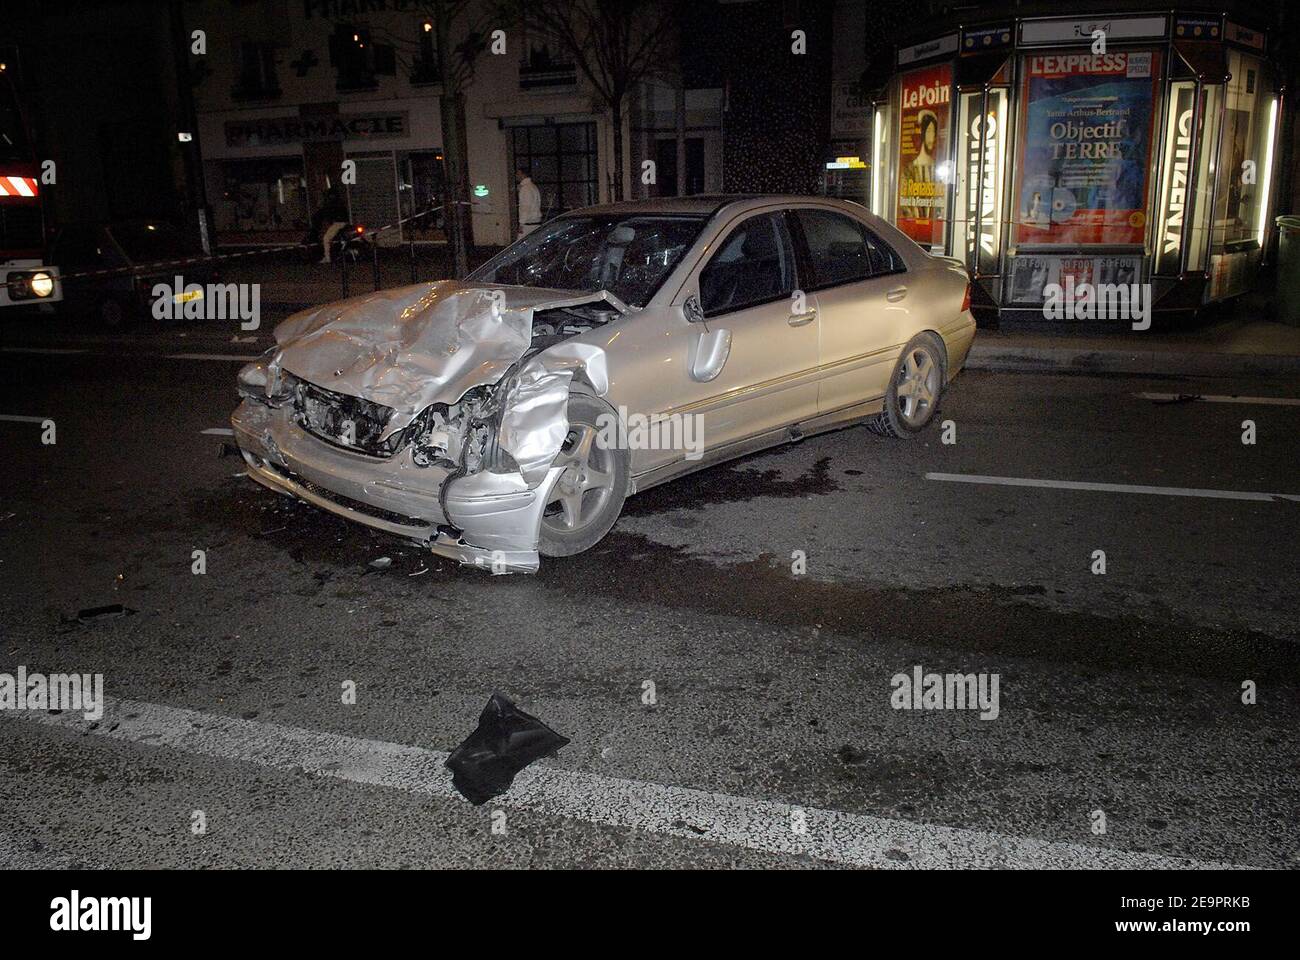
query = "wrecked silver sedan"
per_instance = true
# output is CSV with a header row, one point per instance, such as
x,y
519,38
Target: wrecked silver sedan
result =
x,y
510,415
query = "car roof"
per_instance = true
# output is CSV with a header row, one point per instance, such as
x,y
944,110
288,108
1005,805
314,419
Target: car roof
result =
x,y
708,204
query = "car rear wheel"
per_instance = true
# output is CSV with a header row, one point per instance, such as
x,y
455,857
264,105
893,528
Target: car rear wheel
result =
x,y
588,496
914,390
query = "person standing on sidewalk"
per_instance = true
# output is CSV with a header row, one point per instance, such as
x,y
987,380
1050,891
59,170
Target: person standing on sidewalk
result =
x,y
530,203
333,215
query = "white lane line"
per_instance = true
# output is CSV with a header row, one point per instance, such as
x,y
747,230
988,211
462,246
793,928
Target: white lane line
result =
x,y
763,825
57,350
1116,487
233,357
209,356
14,418
1220,398
218,432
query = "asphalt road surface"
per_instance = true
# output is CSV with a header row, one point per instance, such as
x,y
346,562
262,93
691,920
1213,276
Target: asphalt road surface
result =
x,y
723,662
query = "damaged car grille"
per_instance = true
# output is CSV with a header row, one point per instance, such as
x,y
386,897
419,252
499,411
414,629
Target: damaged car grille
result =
x,y
344,421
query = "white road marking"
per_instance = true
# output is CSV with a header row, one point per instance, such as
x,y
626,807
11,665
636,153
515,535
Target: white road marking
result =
x,y
14,418
1220,398
1116,487
233,357
218,432
763,825
208,356
40,350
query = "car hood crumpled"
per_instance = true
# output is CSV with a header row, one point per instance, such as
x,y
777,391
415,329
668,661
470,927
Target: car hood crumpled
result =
x,y
428,343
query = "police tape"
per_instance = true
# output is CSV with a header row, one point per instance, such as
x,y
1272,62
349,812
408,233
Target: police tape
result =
x,y
138,269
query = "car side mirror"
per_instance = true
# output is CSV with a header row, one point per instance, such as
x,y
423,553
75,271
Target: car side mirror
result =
x,y
691,309
710,356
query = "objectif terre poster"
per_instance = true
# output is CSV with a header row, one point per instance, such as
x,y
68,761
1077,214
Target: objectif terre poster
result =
x,y
1086,147
926,99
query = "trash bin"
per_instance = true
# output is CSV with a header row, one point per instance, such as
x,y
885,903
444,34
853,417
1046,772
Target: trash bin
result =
x,y
1288,270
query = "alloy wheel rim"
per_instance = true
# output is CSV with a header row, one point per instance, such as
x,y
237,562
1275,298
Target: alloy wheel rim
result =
x,y
918,385
584,488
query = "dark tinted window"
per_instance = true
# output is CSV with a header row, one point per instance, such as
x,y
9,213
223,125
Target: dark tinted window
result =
x,y
77,247
754,265
842,250
146,242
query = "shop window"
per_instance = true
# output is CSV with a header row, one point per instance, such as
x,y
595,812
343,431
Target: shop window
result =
x,y
262,196
1245,155
924,159
1085,134
257,79
561,159
420,186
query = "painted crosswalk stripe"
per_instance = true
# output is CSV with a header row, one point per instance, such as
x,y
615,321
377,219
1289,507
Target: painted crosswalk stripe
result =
x,y
762,825
14,418
1219,398
218,432
1116,488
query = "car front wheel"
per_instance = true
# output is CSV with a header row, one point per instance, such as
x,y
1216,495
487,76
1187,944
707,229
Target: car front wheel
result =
x,y
588,496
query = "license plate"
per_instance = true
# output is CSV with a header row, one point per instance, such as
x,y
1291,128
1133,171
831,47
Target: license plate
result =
x,y
187,295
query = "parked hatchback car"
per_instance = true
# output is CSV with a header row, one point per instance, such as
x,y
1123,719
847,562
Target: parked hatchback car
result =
x,y
109,272
511,414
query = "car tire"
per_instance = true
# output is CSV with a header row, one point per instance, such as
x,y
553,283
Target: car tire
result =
x,y
113,314
588,497
915,388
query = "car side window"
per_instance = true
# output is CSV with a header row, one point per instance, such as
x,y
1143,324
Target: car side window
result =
x,y
754,265
841,250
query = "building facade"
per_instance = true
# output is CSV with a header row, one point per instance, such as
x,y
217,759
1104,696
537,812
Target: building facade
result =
x,y
288,90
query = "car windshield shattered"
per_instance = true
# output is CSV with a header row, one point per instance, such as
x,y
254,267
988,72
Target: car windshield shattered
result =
x,y
627,255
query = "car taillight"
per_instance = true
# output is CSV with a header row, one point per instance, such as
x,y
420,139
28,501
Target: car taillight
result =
x,y
965,301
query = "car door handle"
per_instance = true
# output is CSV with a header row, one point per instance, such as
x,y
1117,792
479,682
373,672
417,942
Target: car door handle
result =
x,y
799,319
898,293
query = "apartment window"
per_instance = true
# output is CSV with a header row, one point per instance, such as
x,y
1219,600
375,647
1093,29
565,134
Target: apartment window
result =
x,y
545,66
257,80
425,67
352,56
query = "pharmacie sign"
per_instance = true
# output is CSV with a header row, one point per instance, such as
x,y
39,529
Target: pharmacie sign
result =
x,y
280,130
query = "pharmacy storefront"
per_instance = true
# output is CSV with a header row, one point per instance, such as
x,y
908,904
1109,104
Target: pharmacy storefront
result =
x,y
1055,153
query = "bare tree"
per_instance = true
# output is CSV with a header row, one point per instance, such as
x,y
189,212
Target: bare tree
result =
x,y
459,38
616,44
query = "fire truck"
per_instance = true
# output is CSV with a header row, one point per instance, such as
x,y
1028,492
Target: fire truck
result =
x,y
25,278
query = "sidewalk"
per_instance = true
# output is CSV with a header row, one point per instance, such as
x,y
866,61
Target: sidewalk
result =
x,y
1232,346
1239,338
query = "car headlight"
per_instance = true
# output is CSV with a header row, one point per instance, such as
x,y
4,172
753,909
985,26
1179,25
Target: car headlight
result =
x,y
263,381
25,286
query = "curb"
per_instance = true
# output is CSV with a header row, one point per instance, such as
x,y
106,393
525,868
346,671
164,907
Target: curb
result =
x,y
1029,359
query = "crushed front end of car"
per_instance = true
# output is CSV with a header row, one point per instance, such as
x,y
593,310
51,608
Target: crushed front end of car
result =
x,y
433,412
